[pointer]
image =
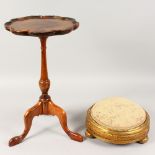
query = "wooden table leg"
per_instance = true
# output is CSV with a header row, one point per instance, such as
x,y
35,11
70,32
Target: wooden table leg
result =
x,y
28,117
61,114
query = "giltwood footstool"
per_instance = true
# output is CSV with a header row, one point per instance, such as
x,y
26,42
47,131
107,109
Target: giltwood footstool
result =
x,y
117,120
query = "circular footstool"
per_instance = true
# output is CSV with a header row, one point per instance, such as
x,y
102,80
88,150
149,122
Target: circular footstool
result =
x,y
117,120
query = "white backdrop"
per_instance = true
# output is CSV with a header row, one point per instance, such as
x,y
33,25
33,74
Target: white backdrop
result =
x,y
111,54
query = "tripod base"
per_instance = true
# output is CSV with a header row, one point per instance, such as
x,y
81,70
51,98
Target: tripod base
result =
x,y
45,106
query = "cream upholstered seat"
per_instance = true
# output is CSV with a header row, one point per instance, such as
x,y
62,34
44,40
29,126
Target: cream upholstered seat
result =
x,y
118,113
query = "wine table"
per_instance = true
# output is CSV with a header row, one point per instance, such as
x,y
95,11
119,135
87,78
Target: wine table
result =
x,y
43,27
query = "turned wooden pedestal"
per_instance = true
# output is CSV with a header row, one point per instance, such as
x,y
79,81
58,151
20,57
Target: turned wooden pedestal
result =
x,y
43,27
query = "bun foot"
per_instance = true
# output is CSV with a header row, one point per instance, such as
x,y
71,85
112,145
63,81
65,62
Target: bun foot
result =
x,y
143,140
75,136
88,134
15,140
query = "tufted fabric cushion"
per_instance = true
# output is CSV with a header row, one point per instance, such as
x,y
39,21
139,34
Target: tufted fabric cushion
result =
x,y
118,113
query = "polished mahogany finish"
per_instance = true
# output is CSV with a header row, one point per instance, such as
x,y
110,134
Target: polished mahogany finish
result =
x,y
41,25
42,28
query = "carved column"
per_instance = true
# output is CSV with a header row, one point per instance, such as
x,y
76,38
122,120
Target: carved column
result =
x,y
44,82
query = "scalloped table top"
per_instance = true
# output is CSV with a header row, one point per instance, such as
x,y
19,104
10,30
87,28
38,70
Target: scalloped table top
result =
x,y
41,25
118,113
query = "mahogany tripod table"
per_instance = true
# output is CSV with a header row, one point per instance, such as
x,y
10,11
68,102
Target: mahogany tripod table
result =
x,y
43,27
